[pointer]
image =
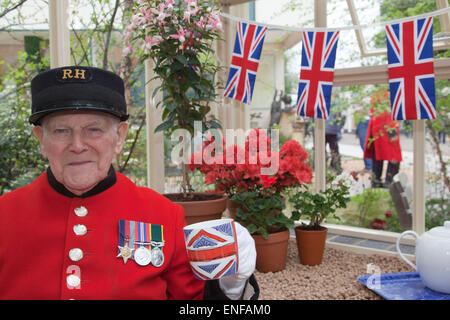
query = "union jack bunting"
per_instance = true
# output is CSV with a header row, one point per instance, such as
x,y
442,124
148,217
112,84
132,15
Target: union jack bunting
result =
x,y
212,251
411,69
245,61
316,73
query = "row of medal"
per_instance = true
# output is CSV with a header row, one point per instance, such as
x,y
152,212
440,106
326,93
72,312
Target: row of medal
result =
x,y
142,255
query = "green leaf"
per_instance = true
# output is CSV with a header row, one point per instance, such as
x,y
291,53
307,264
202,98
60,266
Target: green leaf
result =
x,y
157,89
164,126
182,59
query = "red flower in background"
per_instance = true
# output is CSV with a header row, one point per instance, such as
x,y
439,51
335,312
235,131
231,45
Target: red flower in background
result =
x,y
378,224
388,214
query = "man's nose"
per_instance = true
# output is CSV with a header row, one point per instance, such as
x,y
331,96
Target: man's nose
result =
x,y
78,144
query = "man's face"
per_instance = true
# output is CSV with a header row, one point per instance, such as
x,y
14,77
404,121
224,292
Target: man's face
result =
x,y
80,147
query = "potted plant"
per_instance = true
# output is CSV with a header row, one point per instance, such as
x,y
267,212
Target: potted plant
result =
x,y
178,37
317,207
240,175
258,197
231,171
261,212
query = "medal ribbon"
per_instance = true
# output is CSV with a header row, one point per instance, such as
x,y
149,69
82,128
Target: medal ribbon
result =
x,y
137,234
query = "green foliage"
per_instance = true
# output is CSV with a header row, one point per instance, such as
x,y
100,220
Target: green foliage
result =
x,y
261,215
363,208
370,204
437,212
318,206
20,158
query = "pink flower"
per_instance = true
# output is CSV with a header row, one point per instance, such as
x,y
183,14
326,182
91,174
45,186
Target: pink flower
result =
x,y
147,14
191,2
192,6
180,36
150,42
388,214
161,14
187,15
169,4
214,22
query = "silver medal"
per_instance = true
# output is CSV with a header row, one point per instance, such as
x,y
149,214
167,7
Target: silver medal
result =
x,y
157,257
142,256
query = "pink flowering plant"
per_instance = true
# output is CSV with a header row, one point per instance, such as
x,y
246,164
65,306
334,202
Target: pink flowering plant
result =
x,y
178,36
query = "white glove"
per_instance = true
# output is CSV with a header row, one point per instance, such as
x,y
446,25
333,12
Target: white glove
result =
x,y
233,286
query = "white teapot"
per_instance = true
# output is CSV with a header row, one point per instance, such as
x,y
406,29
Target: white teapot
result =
x,y
432,257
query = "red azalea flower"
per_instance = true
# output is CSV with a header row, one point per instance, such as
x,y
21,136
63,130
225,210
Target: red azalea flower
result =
x,y
240,170
268,181
292,148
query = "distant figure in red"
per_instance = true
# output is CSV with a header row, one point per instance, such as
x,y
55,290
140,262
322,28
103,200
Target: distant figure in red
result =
x,y
382,140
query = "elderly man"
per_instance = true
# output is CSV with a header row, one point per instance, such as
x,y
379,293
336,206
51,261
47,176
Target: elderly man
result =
x,y
63,236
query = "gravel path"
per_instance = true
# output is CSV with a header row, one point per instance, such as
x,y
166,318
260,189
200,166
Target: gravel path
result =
x,y
334,279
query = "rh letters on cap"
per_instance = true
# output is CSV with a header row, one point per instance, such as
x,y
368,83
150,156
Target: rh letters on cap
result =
x,y
73,75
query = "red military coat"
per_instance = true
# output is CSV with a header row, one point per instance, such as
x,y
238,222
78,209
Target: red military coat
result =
x,y
37,233
378,140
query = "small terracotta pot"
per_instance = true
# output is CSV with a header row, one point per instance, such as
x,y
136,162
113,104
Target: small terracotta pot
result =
x,y
198,211
310,244
271,253
232,207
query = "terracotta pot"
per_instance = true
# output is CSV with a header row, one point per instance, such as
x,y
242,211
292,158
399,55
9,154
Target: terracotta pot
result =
x,y
198,211
271,253
232,208
310,244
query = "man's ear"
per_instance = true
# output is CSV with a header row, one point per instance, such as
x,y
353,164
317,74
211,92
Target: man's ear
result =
x,y
38,132
122,130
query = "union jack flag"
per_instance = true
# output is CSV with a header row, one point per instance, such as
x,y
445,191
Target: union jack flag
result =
x,y
245,61
411,69
316,73
212,251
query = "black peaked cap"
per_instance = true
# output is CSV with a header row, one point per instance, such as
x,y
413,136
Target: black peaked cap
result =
x,y
77,88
